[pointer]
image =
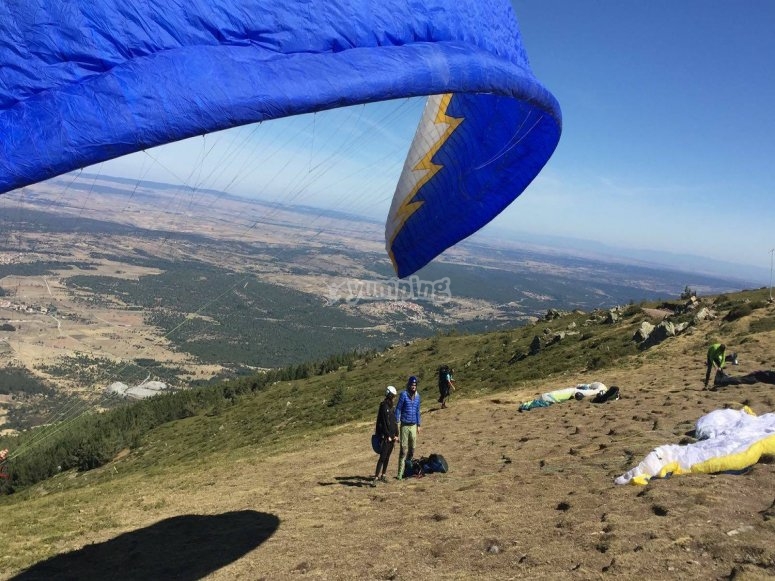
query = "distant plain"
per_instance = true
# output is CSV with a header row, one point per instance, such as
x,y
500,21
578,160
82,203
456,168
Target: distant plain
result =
x,y
129,281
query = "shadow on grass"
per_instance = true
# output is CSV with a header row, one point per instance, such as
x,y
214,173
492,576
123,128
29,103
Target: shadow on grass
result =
x,y
356,481
183,547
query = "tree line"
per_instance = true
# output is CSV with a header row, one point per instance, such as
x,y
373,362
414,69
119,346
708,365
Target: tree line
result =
x,y
93,439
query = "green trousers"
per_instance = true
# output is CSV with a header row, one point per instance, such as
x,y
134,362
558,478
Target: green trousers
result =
x,y
408,442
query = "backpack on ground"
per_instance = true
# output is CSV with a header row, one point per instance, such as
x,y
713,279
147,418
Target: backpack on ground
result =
x,y
611,394
413,467
435,463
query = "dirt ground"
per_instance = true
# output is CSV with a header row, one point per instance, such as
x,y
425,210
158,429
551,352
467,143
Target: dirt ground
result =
x,y
528,495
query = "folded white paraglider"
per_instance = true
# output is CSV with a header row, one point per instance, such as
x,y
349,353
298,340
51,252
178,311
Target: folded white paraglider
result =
x,y
728,441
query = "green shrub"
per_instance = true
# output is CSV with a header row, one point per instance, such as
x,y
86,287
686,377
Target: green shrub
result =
x,y
738,312
337,397
631,311
600,361
763,325
721,300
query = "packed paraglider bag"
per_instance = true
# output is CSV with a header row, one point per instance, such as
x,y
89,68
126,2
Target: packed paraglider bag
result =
x,y
435,463
611,394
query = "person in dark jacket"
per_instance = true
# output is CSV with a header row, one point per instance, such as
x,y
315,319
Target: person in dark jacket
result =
x,y
446,384
387,430
408,417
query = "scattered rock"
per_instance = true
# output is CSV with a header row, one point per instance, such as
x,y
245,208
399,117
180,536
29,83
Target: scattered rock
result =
x,y
739,530
643,332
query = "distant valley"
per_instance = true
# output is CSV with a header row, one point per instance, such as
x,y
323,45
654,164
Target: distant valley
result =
x,y
125,281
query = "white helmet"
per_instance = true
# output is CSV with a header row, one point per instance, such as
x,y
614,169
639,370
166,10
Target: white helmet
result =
x,y
390,391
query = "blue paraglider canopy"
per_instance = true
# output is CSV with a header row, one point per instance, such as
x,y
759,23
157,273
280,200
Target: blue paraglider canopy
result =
x,y
90,80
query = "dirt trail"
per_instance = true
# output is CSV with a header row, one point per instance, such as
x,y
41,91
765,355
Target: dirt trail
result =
x,y
529,495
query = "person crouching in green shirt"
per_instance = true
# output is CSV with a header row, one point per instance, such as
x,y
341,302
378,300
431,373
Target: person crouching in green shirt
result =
x,y
717,356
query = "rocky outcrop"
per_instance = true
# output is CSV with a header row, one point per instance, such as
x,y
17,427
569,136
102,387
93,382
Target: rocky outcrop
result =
x,y
643,332
704,314
664,330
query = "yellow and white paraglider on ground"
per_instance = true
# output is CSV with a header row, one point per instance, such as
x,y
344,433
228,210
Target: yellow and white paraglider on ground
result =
x,y
729,441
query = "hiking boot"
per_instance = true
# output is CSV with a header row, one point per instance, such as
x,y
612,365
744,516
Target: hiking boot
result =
x,y
383,478
373,482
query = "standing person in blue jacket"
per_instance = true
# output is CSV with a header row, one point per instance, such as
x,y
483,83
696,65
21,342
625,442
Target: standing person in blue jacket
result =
x,y
408,417
387,430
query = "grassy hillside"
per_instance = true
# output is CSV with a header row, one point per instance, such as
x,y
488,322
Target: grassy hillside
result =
x,y
282,465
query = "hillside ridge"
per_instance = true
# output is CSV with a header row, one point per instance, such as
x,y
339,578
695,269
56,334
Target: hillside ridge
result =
x,y
528,495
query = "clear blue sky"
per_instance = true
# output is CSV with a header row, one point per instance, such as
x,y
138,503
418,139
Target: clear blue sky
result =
x,y
668,124
668,134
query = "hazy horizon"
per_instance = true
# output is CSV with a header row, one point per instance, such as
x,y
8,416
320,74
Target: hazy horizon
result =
x,y
753,276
